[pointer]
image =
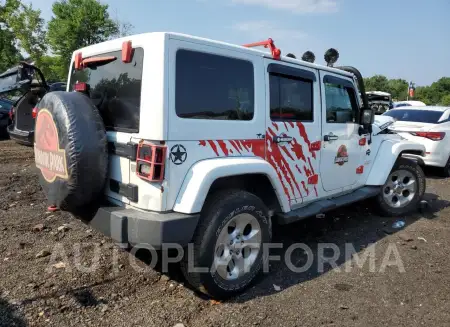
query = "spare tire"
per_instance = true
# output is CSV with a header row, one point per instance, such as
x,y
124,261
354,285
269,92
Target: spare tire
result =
x,y
70,150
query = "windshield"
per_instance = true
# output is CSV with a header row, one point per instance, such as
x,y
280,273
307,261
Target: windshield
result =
x,y
415,115
114,87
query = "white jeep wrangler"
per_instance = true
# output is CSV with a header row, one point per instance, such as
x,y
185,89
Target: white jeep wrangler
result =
x,y
168,138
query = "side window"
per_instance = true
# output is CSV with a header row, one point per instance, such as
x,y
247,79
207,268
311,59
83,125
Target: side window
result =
x,y
291,98
215,87
341,103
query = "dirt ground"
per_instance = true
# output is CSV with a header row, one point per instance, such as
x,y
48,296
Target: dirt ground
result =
x,y
37,290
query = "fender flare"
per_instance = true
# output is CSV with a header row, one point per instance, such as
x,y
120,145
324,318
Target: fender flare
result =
x,y
201,176
387,155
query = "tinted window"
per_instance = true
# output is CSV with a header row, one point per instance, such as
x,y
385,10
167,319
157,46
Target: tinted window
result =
x,y
213,87
6,105
115,88
341,104
415,115
290,98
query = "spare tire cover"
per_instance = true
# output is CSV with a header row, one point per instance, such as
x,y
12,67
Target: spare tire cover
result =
x,y
70,150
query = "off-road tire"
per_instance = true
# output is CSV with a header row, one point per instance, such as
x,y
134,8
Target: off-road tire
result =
x,y
414,168
218,210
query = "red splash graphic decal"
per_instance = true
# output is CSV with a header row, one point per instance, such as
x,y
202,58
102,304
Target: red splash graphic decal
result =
x,y
234,144
223,146
298,150
302,130
283,156
214,147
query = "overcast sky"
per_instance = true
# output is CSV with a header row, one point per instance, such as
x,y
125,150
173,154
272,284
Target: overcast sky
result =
x,y
397,38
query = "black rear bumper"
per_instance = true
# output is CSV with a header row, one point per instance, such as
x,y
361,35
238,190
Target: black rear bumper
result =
x,y
22,137
144,228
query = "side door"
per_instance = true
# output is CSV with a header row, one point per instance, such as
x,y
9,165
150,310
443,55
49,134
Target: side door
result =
x,y
341,150
294,128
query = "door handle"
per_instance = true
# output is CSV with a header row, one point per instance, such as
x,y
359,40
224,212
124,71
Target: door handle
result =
x,y
282,139
330,137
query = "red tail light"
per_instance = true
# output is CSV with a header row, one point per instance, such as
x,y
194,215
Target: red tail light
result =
x,y
34,112
435,136
150,161
11,113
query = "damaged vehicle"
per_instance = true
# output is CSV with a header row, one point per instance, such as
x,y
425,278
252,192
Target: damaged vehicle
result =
x,y
24,86
379,102
167,138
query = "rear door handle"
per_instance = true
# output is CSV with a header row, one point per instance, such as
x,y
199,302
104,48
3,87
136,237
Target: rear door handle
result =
x,y
330,137
282,139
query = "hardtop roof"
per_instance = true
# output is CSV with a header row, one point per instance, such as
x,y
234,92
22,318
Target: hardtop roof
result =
x,y
116,43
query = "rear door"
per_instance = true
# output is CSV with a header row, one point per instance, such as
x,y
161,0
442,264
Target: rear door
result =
x,y
115,88
216,107
341,152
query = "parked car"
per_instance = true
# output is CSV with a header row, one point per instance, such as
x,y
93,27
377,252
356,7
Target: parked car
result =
x,y
29,82
380,102
410,103
5,120
429,126
179,139
26,82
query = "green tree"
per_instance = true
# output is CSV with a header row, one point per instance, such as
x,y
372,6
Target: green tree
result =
x,y
9,54
440,89
50,67
445,101
27,26
76,24
398,88
423,93
377,83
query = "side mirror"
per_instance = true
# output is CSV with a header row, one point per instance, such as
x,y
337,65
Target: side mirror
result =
x,y
367,117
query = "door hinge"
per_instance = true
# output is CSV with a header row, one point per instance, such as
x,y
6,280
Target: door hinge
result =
x,y
360,170
362,141
315,146
314,179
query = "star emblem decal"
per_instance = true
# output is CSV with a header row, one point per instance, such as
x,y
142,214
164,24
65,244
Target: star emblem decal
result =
x,y
178,154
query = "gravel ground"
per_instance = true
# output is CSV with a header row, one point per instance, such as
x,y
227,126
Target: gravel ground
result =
x,y
41,286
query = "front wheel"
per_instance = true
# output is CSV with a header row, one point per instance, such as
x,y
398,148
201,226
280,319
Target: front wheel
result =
x,y
227,252
446,169
403,189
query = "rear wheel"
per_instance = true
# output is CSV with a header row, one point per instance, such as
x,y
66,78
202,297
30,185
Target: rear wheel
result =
x,y
228,244
403,189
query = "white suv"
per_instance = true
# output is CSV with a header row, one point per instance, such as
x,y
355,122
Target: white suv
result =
x,y
194,141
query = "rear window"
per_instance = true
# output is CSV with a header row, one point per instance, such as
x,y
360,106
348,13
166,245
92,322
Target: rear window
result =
x,y
209,86
115,88
4,104
415,115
